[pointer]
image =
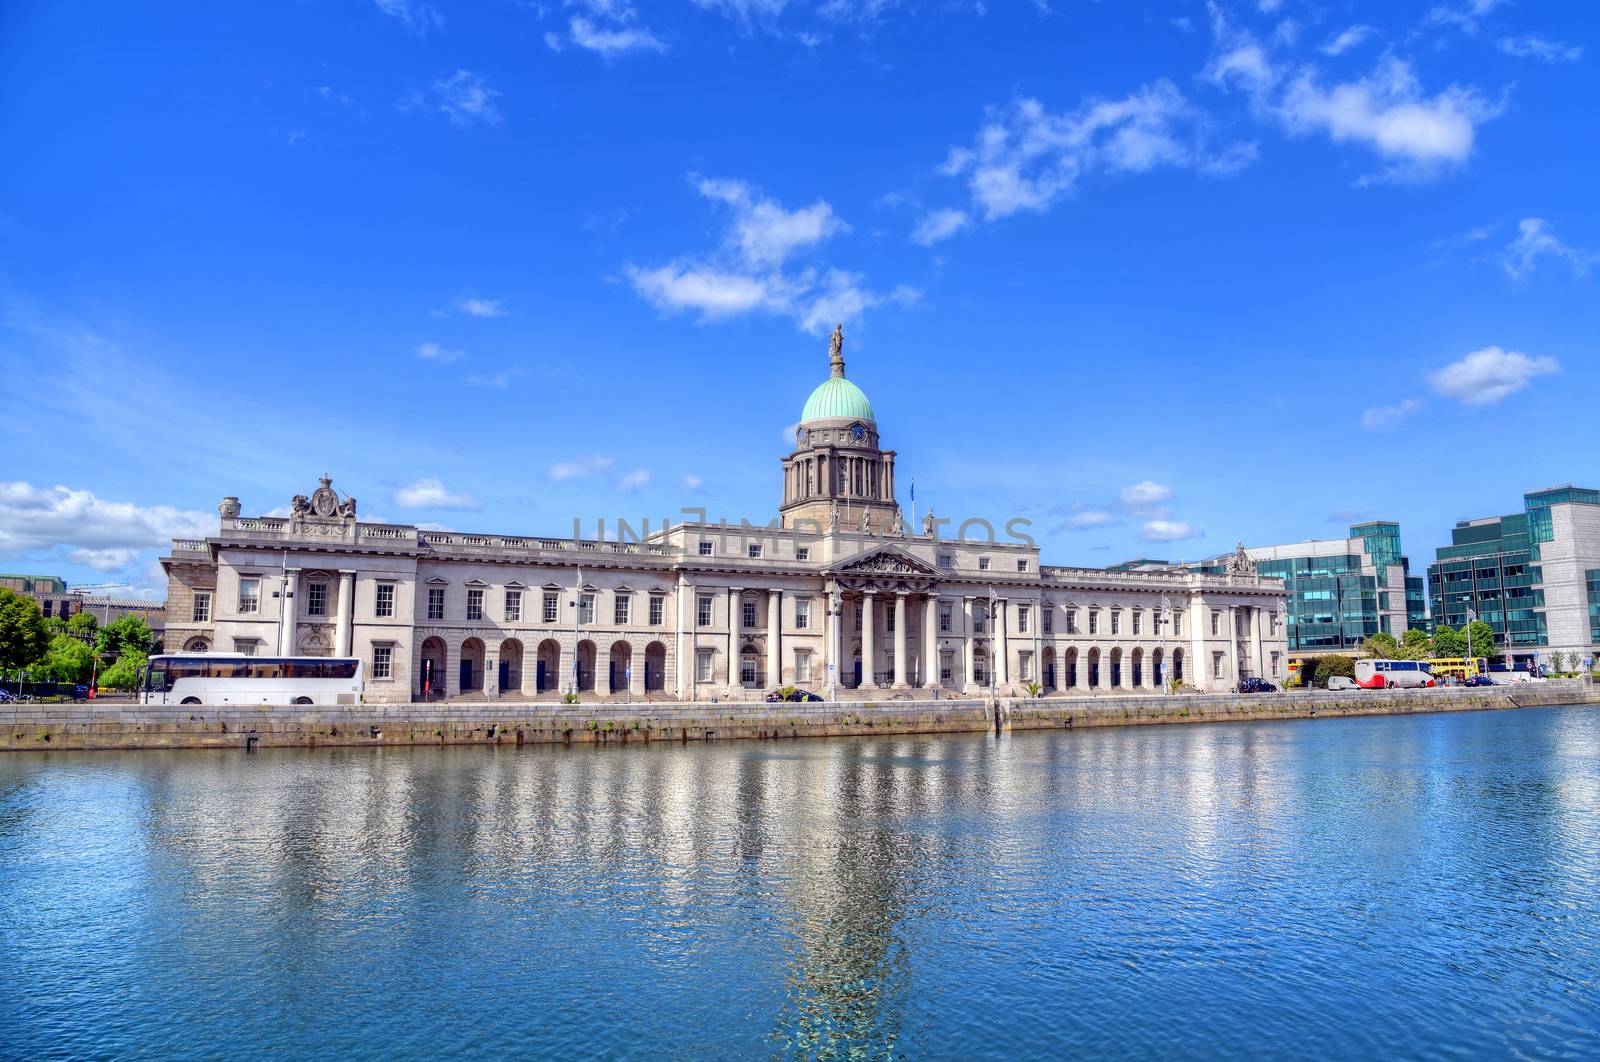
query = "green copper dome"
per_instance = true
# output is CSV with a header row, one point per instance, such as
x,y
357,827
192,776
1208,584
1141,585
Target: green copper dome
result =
x,y
837,397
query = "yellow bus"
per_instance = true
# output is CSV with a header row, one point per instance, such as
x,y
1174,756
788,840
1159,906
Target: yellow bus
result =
x,y
1457,667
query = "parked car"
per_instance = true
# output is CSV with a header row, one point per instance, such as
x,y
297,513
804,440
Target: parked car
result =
x,y
1342,682
6,696
1255,685
794,695
80,692
1478,680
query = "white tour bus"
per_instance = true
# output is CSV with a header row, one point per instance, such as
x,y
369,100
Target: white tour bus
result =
x,y
1388,674
221,678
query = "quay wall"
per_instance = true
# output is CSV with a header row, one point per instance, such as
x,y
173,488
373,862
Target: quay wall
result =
x,y
82,727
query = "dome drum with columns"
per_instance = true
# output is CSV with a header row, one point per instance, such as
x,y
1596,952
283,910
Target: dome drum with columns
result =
x,y
837,464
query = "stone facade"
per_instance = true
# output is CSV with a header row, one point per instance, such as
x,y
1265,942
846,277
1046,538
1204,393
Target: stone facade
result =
x,y
837,596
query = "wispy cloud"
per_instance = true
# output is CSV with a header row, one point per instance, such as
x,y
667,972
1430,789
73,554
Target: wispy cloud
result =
x,y
418,17
434,352
499,380
1490,375
430,493
1530,46
580,468
466,99
1387,418
473,306
1350,38
1534,244
1167,531
608,28
629,482
749,271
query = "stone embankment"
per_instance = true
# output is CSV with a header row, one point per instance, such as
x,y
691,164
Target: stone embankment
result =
x,y
41,727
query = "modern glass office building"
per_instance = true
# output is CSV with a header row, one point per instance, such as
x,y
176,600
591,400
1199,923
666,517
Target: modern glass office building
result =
x,y
1343,590
1529,575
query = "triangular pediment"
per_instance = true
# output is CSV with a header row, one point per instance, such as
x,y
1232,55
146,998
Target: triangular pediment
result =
x,y
886,560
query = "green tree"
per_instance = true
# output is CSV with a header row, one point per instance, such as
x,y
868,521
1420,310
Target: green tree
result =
x,y
1448,642
1417,644
1482,636
125,672
83,625
1381,646
1329,666
22,631
126,635
67,660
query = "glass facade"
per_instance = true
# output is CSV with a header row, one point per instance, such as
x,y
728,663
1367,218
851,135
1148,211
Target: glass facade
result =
x,y
1591,579
1491,567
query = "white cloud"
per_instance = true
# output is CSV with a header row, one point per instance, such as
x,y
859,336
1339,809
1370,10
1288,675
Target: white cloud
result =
x,y
1535,242
1025,158
1546,51
629,482
466,98
1389,113
1350,38
434,352
1183,24
1387,418
475,307
1091,518
1490,375
430,493
614,41
101,534
582,468
1142,496
1167,531
498,380
693,482
1464,17
938,225
418,17
746,273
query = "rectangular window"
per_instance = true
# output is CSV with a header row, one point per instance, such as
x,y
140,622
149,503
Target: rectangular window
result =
x,y
977,620
1138,622
802,613
1072,621
249,595
754,551
382,661
202,608
1274,665
1024,614
585,608
947,663
747,670
622,607
317,599
48,605
888,620
245,646
802,553
1022,565
802,666
385,602
1216,623
1116,621
658,610
513,606
702,665
474,603
705,549
983,564
1177,624
1025,666
748,614
552,606
947,560
946,615
436,602
1216,665
1049,618
702,611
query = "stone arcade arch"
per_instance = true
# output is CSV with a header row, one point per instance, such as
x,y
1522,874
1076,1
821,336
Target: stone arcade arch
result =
x,y
1158,677
196,645
655,667
586,656
1116,668
620,667
1071,669
1136,659
431,679
1048,676
472,654
1177,665
1094,668
510,669
547,666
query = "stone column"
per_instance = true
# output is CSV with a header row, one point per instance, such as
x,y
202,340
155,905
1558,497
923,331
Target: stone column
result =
x,y
1232,674
452,667
288,611
636,665
902,660
683,663
344,629
491,670
1255,641
930,642
1002,656
835,665
733,638
969,644
774,632
869,633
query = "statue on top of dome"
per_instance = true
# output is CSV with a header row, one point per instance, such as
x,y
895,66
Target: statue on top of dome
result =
x,y
836,349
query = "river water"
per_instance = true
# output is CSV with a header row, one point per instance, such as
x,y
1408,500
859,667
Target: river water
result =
x,y
1423,885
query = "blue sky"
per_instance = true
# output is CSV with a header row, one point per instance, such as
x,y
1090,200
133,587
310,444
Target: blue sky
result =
x,y
1155,276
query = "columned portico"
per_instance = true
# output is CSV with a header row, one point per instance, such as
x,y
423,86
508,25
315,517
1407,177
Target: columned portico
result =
x,y
347,606
869,626
902,659
290,611
930,641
